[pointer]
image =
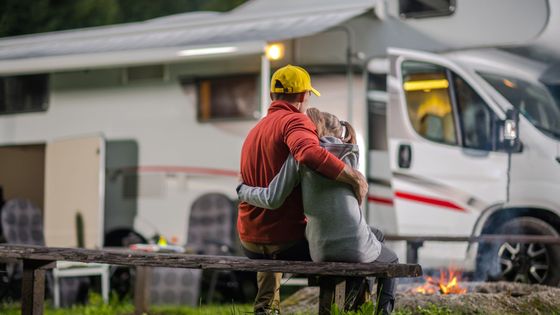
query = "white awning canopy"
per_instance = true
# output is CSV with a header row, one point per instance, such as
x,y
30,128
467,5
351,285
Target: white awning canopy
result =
x,y
246,28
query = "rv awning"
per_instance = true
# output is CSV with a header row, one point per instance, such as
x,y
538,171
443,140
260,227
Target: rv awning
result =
x,y
246,28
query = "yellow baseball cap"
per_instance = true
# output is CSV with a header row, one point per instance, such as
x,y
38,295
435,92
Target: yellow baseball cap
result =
x,y
291,79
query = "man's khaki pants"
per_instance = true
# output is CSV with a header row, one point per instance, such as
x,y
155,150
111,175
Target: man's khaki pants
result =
x,y
268,295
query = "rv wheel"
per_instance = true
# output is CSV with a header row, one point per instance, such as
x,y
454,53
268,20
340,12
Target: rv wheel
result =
x,y
523,262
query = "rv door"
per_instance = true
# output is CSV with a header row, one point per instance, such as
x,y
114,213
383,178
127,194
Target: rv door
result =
x,y
444,151
74,187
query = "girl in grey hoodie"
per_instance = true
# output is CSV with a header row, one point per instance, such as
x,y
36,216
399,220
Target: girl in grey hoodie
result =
x,y
336,229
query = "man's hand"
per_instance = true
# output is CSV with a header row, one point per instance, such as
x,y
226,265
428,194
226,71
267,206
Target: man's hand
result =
x,y
356,180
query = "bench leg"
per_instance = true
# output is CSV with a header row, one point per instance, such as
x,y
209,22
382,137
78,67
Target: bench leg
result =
x,y
142,290
33,286
105,284
412,251
332,290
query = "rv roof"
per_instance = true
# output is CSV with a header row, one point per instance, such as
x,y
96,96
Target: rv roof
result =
x,y
257,20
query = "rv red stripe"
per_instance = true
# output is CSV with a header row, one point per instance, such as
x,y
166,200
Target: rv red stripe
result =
x,y
428,200
181,169
380,200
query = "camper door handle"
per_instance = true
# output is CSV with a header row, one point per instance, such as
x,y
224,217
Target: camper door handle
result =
x,y
405,156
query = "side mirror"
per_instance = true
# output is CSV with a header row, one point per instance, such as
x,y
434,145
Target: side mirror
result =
x,y
510,132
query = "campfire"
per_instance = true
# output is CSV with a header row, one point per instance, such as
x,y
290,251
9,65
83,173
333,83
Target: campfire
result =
x,y
448,283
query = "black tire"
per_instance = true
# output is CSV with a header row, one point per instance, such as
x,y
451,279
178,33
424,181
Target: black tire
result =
x,y
122,277
521,262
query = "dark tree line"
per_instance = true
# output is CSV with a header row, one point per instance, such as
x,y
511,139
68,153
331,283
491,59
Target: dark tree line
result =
x,y
18,17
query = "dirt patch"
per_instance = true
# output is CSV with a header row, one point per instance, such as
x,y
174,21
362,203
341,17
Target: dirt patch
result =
x,y
482,298
305,300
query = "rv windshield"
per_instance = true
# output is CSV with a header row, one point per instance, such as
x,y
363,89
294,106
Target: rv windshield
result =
x,y
540,104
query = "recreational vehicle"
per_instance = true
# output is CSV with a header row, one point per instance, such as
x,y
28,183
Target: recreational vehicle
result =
x,y
131,127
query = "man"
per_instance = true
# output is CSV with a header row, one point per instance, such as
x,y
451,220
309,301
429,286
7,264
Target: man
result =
x,y
279,234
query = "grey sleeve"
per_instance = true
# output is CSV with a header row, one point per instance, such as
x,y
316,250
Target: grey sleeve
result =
x,y
273,196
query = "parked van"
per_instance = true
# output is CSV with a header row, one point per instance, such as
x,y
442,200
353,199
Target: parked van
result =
x,y
452,169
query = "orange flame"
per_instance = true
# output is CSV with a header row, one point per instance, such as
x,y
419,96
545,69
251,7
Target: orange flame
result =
x,y
448,283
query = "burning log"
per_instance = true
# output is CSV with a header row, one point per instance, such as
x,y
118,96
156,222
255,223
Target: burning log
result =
x,y
448,283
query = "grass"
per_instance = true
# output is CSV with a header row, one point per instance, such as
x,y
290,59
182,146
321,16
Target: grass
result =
x,y
97,307
369,309
128,309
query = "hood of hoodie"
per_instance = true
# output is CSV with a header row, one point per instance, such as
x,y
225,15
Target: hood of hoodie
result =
x,y
346,152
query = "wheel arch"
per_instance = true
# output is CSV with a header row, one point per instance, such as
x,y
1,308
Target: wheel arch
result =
x,y
499,216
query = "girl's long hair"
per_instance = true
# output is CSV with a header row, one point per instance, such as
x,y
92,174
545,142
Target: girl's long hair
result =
x,y
328,125
349,134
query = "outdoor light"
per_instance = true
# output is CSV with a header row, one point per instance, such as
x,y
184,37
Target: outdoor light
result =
x,y
509,84
510,130
425,85
207,51
275,51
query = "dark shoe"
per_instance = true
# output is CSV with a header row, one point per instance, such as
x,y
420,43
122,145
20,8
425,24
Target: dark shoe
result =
x,y
386,308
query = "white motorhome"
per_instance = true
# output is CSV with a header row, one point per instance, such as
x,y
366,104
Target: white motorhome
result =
x,y
451,162
129,125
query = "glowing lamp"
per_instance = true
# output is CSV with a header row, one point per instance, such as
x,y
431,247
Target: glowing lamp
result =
x,y
275,51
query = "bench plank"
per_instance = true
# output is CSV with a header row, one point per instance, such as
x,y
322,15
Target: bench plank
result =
x,y
135,258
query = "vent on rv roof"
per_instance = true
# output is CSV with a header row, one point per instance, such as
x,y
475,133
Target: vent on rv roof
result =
x,y
144,73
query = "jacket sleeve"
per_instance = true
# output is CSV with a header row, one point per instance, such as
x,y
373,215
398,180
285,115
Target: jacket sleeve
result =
x,y
276,193
300,136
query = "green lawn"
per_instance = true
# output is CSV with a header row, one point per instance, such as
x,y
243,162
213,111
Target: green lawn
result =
x,y
128,309
97,307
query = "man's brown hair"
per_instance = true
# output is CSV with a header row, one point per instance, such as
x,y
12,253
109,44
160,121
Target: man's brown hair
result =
x,y
287,97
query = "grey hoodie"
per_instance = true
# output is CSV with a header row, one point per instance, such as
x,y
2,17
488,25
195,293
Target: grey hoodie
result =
x,y
336,229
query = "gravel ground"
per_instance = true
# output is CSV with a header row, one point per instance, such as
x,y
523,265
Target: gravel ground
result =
x,y
499,298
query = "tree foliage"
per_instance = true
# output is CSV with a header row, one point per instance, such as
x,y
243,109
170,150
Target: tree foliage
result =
x,y
18,17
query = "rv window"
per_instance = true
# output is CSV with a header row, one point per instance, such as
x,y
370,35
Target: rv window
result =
x,y
425,8
20,94
377,122
477,120
430,111
377,111
377,82
538,103
223,98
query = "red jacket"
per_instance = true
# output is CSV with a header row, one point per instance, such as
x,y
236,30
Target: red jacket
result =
x,y
283,131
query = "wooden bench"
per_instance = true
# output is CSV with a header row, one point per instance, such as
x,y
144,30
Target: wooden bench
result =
x,y
331,276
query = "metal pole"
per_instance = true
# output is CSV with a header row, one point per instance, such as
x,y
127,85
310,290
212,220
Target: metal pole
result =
x,y
350,78
349,71
265,84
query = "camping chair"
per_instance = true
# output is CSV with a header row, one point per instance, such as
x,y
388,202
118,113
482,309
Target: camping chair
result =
x,y
22,223
175,286
71,270
210,232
